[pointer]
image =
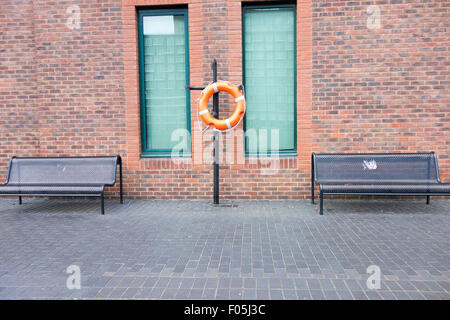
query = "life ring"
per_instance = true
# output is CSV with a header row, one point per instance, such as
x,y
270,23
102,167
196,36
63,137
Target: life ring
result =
x,y
238,113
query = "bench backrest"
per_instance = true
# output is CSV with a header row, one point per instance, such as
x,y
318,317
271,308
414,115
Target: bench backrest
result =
x,y
63,171
376,168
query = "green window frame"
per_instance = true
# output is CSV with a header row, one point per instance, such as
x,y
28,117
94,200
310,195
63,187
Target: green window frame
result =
x,y
253,97
153,145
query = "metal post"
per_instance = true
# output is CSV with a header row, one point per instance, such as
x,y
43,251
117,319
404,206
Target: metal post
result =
x,y
216,136
215,114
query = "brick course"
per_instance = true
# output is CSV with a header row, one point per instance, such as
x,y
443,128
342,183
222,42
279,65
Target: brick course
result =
x,y
75,92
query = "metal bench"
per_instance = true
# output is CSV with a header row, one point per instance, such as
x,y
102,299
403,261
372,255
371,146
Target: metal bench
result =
x,y
67,176
395,174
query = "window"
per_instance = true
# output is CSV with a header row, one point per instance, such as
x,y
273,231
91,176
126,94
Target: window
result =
x,y
164,73
269,48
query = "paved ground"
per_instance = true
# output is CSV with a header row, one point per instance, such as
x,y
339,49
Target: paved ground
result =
x,y
257,250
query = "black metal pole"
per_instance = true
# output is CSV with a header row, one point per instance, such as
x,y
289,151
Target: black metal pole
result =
x,y
216,136
215,114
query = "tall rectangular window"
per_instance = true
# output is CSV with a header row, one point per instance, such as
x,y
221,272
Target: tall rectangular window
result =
x,y
269,47
164,73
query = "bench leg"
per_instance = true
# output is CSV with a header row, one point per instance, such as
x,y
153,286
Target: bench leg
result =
x,y
321,203
121,180
428,199
20,200
102,199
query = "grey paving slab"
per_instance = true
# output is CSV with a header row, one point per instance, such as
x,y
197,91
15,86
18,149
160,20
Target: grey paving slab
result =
x,y
255,250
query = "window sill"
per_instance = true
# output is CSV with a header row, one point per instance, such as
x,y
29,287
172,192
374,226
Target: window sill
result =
x,y
280,154
147,155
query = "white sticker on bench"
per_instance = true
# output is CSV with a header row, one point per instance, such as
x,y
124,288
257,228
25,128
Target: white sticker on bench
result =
x,y
370,164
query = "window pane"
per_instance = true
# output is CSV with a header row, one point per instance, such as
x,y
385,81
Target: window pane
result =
x,y
158,25
165,79
270,76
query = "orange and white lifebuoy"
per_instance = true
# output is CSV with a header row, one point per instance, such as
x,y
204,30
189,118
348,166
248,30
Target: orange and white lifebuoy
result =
x,y
238,113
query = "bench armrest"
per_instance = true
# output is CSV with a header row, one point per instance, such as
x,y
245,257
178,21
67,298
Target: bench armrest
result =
x,y
119,162
9,169
312,177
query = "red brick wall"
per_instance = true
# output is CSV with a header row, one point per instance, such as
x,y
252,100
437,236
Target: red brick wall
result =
x,y
80,79
67,92
386,89
61,89
18,85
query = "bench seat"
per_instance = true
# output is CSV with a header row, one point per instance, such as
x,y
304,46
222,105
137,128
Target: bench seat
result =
x,y
48,189
387,188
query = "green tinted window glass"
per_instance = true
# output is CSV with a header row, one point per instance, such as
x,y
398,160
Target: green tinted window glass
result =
x,y
164,77
269,77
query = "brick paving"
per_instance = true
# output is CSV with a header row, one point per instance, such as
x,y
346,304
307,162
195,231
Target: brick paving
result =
x,y
255,250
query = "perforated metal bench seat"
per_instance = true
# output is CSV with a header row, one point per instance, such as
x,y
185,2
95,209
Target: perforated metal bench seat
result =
x,y
51,190
377,174
64,176
435,189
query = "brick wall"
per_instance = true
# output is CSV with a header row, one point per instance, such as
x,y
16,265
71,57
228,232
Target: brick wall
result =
x,y
61,89
80,78
386,89
18,82
70,91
